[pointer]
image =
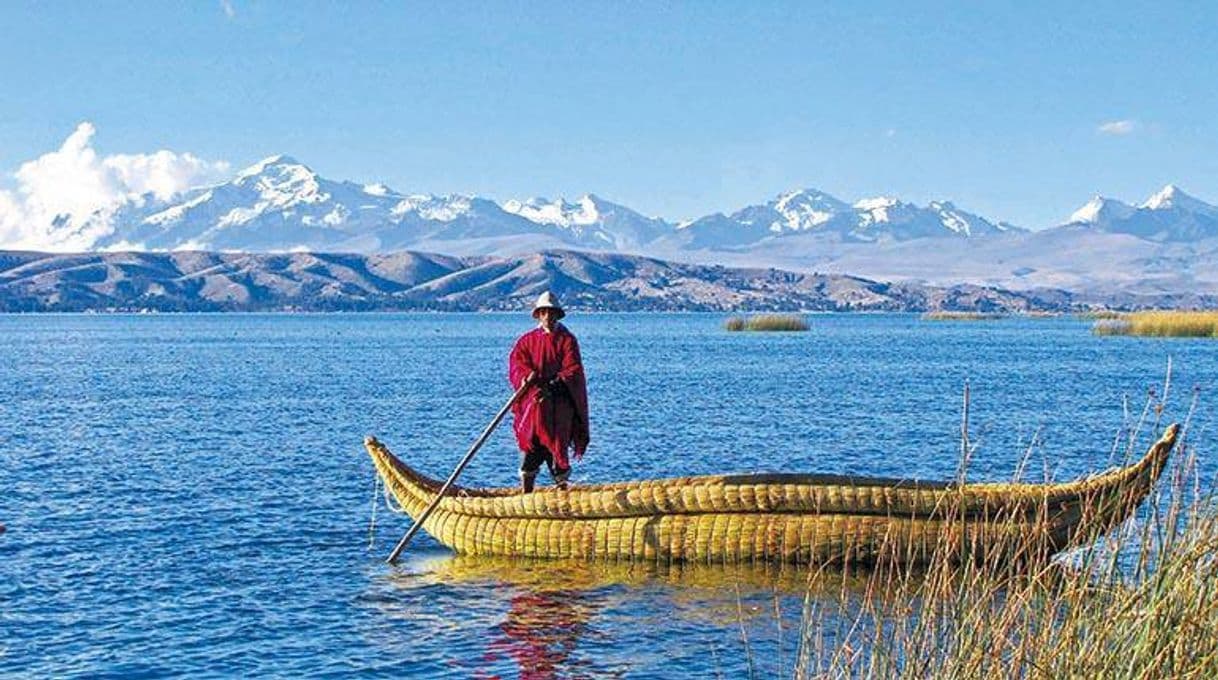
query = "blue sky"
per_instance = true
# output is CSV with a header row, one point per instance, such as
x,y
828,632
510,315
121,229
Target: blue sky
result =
x,y
675,109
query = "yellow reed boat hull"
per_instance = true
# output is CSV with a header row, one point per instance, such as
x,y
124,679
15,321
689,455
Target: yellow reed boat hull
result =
x,y
818,519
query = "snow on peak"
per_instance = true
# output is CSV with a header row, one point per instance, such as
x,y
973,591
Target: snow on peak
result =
x,y
559,213
799,210
809,197
282,181
866,219
876,204
1100,209
1172,197
266,163
377,189
807,208
438,208
880,209
1166,198
955,219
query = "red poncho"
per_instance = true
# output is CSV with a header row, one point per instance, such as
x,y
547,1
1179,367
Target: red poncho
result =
x,y
558,423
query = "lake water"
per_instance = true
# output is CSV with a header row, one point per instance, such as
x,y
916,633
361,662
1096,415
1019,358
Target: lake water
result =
x,y
189,494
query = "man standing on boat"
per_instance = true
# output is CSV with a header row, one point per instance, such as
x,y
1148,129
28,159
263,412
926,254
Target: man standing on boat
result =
x,y
551,417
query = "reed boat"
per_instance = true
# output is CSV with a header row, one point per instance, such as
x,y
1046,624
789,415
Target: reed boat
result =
x,y
793,518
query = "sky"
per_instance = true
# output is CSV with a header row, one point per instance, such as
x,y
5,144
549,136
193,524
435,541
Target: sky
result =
x,y
1017,111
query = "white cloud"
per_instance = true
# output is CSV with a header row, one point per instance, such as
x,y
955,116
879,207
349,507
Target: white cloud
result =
x,y
64,199
1117,127
229,10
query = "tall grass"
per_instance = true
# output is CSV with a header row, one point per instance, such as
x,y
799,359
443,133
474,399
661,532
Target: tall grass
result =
x,y
944,315
1190,324
1141,602
1088,619
767,322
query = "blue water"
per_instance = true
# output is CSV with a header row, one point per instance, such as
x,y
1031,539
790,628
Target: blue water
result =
x,y
189,494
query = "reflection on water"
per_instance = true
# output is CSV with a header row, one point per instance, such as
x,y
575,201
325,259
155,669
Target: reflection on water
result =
x,y
202,477
497,617
561,618
592,575
541,630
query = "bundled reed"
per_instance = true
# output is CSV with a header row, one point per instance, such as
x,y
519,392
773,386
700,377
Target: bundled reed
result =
x,y
792,518
1187,324
767,322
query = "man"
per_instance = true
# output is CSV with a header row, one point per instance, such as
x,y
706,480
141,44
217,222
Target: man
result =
x,y
551,417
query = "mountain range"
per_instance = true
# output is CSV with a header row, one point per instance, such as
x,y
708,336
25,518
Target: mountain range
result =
x,y
211,281
1167,244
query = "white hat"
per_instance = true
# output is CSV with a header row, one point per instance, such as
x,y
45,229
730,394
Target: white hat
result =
x,y
548,300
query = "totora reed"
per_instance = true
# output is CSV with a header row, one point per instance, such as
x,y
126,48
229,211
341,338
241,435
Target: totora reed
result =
x,y
1164,324
792,518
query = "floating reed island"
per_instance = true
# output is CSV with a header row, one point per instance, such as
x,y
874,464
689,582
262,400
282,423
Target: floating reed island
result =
x,y
945,315
767,322
1165,324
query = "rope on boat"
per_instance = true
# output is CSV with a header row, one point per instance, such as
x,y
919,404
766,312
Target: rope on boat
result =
x,y
376,481
390,502
379,488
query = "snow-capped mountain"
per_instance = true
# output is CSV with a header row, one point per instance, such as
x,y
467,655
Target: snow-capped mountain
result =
x,y
1169,215
1101,210
1166,242
280,204
789,213
275,204
1172,197
897,220
793,211
810,211
593,220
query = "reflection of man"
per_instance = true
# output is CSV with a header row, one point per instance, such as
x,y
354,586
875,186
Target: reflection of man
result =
x,y
541,631
552,417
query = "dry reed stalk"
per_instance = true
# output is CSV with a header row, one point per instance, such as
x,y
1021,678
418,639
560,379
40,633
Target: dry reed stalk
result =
x,y
1187,324
1140,602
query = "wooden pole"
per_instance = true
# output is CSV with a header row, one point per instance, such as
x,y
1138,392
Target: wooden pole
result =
x,y
486,433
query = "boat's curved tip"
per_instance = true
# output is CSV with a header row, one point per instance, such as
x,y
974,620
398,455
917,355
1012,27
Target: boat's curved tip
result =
x,y
369,440
1169,434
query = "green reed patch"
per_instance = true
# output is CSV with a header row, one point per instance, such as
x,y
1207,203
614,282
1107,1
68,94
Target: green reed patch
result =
x,y
767,322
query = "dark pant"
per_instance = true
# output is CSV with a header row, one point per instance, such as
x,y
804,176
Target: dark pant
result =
x,y
531,462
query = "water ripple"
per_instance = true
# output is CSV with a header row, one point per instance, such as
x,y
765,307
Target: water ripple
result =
x,y
188,495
